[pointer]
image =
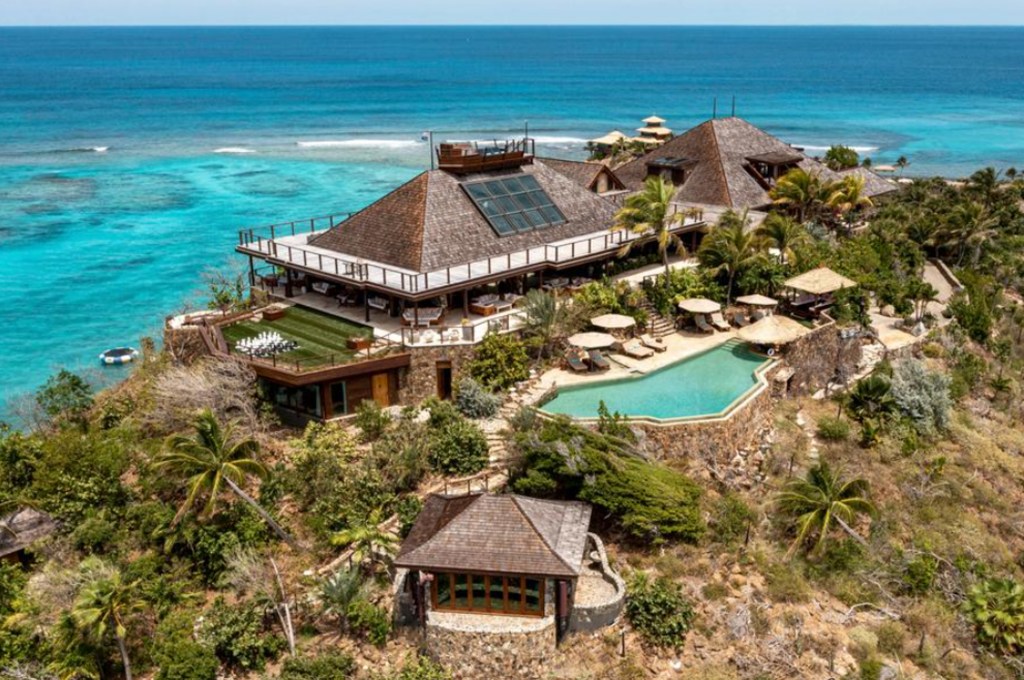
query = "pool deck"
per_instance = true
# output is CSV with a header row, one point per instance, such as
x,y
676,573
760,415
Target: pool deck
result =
x,y
679,345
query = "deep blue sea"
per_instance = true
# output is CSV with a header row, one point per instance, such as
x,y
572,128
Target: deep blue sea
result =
x,y
129,157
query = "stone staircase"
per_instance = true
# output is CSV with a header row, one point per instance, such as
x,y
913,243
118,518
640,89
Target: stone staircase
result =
x,y
657,325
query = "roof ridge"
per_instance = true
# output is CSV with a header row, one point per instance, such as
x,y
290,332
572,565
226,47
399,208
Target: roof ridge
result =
x,y
719,162
543,538
440,530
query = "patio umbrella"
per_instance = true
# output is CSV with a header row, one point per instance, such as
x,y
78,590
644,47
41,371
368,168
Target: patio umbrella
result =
x,y
820,281
757,301
773,330
591,340
699,306
613,321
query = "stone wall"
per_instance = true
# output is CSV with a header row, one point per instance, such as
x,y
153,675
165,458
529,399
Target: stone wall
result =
x,y
819,356
521,650
587,619
419,380
185,344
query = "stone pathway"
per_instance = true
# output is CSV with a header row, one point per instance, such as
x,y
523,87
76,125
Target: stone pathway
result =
x,y
813,456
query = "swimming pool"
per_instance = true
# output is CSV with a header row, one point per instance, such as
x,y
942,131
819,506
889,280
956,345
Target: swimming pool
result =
x,y
704,385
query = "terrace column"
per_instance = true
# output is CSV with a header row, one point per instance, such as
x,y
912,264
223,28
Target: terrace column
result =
x,y
366,305
465,304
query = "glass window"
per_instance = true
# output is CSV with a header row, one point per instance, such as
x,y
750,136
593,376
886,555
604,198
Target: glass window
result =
x,y
534,596
504,201
515,593
496,589
443,584
479,591
461,594
339,404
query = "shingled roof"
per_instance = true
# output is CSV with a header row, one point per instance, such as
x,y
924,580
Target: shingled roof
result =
x,y
583,173
505,534
722,148
429,223
22,528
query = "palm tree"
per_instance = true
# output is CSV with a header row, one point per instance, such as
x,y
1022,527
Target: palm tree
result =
x,y
921,293
545,318
649,213
871,403
212,459
730,248
821,500
985,183
969,225
902,163
784,235
338,592
102,606
369,542
800,191
848,197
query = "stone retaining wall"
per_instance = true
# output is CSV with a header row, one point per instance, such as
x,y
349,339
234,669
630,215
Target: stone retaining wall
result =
x,y
588,619
520,653
419,380
817,357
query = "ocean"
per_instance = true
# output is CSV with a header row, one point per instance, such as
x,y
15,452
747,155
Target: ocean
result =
x,y
130,157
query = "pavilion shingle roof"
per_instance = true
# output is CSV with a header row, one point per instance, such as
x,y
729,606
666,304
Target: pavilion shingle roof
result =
x,y
23,527
430,223
584,174
505,534
721,148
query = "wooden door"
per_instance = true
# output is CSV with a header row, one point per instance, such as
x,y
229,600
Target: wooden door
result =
x,y
382,389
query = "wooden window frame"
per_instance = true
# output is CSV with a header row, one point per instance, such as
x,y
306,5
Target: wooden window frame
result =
x,y
487,609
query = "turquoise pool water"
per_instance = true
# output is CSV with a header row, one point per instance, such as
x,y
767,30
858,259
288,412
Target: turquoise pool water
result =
x,y
702,385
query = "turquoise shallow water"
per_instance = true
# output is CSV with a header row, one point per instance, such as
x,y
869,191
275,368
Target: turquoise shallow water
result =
x,y
209,130
705,384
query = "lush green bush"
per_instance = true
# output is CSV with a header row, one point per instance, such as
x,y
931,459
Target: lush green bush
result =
x,y
682,283
458,448
473,401
922,395
658,611
996,609
408,509
65,395
371,419
327,666
238,637
840,157
370,621
968,370
833,429
186,660
613,424
563,460
499,362
420,668
974,307
731,518
919,574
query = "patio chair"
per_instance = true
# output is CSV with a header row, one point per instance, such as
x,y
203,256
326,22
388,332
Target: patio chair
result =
x,y
649,342
598,360
575,363
719,322
757,316
740,319
378,303
634,348
702,324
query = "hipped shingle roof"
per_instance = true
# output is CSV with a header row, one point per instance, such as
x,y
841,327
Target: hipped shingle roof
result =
x,y
505,534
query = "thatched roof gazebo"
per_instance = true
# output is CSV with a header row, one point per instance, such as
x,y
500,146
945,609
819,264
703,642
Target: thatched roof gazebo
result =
x,y
820,281
757,301
773,330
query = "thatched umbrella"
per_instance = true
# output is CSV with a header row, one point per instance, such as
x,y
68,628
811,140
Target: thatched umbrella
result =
x,y
820,281
757,301
613,322
591,340
773,330
699,306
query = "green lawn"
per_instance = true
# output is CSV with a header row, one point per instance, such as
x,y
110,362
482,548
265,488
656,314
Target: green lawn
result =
x,y
319,336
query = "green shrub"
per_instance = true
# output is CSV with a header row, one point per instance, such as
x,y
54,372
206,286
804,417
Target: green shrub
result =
x,y
65,395
891,637
499,362
833,429
922,395
786,584
839,557
421,668
238,638
968,370
730,518
996,609
613,424
371,420
408,509
458,448
370,621
176,655
473,401
327,666
871,669
95,535
919,574
658,611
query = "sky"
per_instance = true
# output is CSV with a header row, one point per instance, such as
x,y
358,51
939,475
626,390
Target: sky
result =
x,y
347,12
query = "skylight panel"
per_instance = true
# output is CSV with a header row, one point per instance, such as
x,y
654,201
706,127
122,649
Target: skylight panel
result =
x,y
515,204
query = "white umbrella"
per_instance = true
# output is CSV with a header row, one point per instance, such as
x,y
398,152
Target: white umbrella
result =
x,y
757,301
613,321
699,306
591,340
773,330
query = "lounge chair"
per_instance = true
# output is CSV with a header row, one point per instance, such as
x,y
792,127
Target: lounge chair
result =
x,y
702,323
378,303
425,316
740,319
634,348
485,305
575,363
598,361
719,322
657,345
